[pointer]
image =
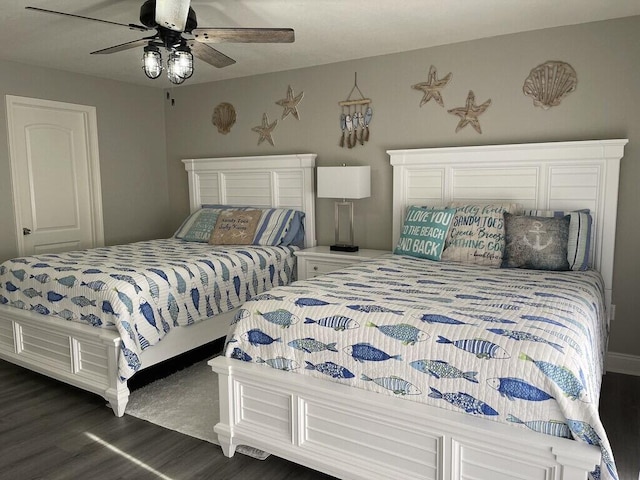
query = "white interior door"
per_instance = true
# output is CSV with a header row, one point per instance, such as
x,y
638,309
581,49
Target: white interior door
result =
x,y
55,175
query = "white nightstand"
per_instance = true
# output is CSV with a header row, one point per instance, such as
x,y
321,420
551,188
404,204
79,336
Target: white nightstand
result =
x,y
320,260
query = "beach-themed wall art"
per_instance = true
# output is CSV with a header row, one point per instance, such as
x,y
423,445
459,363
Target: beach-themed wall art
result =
x,y
290,104
265,130
224,116
355,118
470,112
431,88
549,82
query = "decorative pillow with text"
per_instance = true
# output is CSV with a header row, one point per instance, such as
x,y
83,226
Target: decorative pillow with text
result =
x,y
477,234
235,227
198,226
424,232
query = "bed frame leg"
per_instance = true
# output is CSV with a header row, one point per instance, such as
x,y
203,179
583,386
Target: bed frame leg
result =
x,y
118,399
228,447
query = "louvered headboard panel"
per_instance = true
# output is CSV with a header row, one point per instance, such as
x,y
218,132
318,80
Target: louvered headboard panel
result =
x,y
285,181
544,176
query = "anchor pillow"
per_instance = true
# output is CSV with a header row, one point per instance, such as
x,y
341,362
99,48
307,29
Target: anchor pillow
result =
x,y
579,242
537,243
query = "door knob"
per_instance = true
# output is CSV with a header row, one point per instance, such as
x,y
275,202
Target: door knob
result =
x,y
26,231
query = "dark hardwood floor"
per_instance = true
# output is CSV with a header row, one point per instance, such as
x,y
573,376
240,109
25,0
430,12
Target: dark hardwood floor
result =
x,y
52,431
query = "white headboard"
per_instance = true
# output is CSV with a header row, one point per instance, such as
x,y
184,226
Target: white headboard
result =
x,y
543,176
285,181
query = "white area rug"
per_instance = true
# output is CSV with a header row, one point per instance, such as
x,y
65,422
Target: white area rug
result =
x,y
186,402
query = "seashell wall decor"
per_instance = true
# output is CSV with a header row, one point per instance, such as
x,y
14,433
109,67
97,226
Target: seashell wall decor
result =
x,y
549,82
224,116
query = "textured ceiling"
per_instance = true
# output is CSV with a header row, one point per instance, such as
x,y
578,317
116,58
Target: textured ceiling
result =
x,y
327,31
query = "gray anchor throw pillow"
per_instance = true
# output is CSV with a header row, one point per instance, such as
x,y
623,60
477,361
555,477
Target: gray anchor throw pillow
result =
x,y
537,243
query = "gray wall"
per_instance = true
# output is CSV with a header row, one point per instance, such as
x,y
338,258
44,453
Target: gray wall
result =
x,y
131,145
604,55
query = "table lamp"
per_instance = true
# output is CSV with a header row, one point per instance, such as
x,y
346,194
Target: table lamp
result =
x,y
347,183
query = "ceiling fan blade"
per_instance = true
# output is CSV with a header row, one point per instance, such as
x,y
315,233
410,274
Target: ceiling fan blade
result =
x,y
172,14
131,26
210,55
244,35
125,46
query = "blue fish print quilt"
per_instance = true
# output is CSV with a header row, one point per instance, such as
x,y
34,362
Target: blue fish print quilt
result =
x,y
143,289
521,347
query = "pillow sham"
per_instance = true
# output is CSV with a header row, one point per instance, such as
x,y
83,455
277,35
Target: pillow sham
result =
x,y
278,226
198,226
424,232
538,243
579,243
477,233
235,227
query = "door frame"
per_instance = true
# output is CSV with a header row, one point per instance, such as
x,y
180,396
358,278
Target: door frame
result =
x,y
93,166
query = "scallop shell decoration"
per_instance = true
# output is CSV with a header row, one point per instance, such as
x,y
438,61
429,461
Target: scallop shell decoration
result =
x,y
224,116
549,83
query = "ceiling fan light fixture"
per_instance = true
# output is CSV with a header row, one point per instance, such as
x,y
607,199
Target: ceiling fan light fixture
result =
x,y
152,61
180,65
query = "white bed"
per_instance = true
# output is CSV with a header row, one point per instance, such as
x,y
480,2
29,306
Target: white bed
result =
x,y
87,357
358,434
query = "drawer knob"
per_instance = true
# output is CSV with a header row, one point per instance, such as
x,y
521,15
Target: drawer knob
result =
x,y
315,268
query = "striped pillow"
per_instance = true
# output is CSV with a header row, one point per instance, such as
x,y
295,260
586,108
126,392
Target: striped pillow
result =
x,y
275,225
579,235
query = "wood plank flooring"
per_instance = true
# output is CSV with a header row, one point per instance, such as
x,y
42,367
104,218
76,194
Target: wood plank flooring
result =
x,y
52,431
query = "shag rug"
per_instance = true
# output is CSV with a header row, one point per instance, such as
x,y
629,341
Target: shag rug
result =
x,y
186,402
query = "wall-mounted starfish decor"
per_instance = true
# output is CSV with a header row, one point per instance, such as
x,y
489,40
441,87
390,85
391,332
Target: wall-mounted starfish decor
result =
x,y
265,129
470,112
432,87
290,103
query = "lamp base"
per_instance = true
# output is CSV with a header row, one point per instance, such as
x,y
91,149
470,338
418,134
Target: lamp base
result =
x,y
344,248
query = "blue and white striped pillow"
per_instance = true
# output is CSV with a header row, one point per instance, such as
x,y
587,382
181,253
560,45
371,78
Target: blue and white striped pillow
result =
x,y
278,226
579,242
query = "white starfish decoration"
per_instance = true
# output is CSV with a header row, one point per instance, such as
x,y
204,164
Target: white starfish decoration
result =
x,y
290,103
265,129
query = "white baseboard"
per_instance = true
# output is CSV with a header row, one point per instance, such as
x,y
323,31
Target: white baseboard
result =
x,y
623,363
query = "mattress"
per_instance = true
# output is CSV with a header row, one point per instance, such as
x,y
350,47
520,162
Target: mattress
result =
x,y
143,289
520,347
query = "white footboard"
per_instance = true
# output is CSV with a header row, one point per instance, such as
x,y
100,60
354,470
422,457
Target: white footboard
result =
x,y
357,434
87,357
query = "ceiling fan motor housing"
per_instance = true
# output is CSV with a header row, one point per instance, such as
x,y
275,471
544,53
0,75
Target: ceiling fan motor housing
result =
x,y
148,16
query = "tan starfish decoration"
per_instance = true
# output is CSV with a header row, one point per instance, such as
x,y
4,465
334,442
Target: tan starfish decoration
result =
x,y
265,129
469,114
432,87
290,103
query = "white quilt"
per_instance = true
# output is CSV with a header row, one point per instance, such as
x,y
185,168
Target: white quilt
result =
x,y
521,347
143,289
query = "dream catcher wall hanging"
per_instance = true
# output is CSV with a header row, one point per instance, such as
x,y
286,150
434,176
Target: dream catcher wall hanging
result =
x,y
355,118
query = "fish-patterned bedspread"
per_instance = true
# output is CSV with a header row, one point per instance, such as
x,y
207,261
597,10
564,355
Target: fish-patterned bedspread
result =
x,y
521,347
143,289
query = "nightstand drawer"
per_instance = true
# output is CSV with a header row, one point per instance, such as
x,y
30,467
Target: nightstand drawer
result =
x,y
315,268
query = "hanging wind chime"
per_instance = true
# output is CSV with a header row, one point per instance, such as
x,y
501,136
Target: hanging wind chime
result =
x,y
355,118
